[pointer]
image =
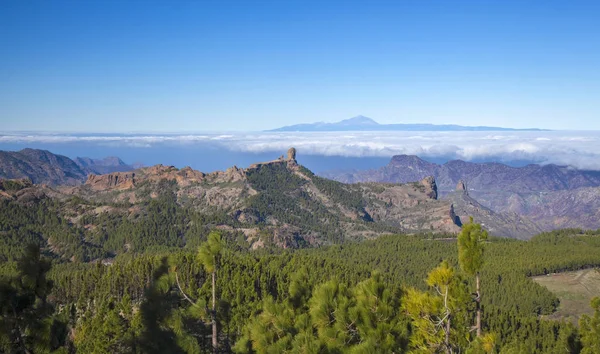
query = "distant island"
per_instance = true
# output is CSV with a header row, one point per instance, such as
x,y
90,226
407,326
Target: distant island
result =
x,y
362,123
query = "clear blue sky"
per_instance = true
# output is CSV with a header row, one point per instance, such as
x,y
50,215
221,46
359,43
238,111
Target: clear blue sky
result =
x,y
116,66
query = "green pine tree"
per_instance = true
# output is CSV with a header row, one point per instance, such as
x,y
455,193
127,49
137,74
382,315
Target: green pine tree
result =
x,y
26,322
470,258
590,329
209,256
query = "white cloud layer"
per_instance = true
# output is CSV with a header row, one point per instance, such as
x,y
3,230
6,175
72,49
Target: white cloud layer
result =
x,y
577,149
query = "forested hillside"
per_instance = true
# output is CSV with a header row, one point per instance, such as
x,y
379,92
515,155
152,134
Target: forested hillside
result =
x,y
273,301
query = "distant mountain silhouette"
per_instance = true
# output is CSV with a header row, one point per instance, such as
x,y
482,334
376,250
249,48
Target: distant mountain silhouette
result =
x,y
101,166
362,123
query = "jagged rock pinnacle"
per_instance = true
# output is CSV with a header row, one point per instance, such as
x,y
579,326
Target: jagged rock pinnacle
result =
x,y
461,186
430,187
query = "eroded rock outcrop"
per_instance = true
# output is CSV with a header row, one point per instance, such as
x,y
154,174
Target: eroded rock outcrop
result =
x,y
119,180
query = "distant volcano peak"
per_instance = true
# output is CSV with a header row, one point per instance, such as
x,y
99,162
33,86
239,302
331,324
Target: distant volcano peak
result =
x,y
359,120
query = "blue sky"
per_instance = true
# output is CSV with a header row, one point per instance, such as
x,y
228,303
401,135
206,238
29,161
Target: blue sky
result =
x,y
121,66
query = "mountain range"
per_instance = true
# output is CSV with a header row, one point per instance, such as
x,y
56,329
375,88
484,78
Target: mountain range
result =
x,y
294,207
551,196
44,167
362,123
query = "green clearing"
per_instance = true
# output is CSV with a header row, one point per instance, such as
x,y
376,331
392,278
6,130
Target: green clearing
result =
x,y
575,291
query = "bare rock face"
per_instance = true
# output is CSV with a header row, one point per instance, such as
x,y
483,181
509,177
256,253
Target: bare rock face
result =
x,y
119,180
430,187
235,174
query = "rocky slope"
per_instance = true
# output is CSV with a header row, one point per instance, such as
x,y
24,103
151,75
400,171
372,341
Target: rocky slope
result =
x,y
506,224
44,167
579,208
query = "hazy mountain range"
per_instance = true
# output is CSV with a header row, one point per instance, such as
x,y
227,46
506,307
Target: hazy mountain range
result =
x,y
362,123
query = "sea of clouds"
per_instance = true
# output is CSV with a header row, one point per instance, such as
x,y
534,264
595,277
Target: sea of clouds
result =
x,y
574,148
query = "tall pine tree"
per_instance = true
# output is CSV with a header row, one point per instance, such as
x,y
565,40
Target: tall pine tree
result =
x,y
470,258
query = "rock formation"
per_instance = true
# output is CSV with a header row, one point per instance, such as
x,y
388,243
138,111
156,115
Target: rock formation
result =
x,y
430,187
118,180
291,154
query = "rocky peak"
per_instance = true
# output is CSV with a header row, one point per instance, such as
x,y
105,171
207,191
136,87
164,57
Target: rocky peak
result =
x,y
232,174
430,187
290,161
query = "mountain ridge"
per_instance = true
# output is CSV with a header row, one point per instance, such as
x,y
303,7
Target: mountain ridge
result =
x,y
45,167
278,202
